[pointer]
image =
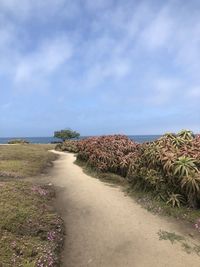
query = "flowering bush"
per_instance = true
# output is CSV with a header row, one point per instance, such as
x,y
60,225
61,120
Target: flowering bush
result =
x,y
108,153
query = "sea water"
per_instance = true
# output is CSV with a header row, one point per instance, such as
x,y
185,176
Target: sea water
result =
x,y
48,140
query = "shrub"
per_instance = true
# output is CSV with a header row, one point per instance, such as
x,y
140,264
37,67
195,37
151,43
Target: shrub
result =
x,y
175,162
168,167
108,153
66,134
17,141
69,146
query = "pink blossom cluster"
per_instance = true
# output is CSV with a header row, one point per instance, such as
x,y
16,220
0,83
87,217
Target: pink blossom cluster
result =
x,y
197,225
14,244
51,236
47,260
39,190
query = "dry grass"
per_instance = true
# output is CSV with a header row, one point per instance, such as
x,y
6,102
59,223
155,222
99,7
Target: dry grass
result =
x,y
31,232
25,160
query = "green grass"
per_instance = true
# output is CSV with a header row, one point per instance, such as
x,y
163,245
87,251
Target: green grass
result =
x,y
187,246
145,199
25,160
172,237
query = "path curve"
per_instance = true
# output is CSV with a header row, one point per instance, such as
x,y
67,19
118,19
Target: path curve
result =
x,y
105,228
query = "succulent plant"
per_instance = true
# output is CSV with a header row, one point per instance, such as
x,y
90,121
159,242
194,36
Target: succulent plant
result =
x,y
191,184
169,164
183,166
175,199
108,153
186,135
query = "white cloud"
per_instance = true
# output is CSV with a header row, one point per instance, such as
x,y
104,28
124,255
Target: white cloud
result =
x,y
194,93
112,70
45,60
164,90
109,45
159,32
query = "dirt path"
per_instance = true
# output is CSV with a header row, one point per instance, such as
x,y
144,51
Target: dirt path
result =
x,y
107,229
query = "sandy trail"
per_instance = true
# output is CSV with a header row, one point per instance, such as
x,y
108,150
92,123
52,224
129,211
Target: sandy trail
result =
x,y
105,228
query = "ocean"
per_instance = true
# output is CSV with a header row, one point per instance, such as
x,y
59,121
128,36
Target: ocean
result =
x,y
48,140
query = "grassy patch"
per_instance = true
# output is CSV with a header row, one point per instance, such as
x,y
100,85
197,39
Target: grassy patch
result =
x,y
31,233
172,237
25,160
187,246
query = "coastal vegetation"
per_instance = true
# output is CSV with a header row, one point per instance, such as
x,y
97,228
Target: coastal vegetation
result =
x,y
168,168
31,231
66,134
23,161
17,141
68,145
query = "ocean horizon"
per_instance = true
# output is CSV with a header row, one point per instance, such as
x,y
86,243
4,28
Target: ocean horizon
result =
x,y
49,139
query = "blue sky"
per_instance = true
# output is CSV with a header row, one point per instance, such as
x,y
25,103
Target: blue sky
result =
x,y
99,67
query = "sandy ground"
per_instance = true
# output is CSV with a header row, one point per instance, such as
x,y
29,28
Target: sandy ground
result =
x,y
105,228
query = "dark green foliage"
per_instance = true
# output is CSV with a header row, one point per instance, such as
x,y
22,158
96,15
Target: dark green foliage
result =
x,y
66,134
68,145
18,141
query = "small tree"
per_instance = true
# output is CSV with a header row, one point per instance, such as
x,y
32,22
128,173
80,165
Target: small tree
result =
x,y
66,134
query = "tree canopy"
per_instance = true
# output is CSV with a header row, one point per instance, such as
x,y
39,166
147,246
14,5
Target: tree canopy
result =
x,y
66,134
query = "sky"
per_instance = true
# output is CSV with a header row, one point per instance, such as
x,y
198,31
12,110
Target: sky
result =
x,y
99,67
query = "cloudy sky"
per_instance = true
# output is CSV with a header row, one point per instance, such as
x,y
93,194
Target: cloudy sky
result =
x,y
99,67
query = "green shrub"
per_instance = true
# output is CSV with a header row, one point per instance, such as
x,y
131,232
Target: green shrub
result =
x,y
17,141
69,146
66,134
